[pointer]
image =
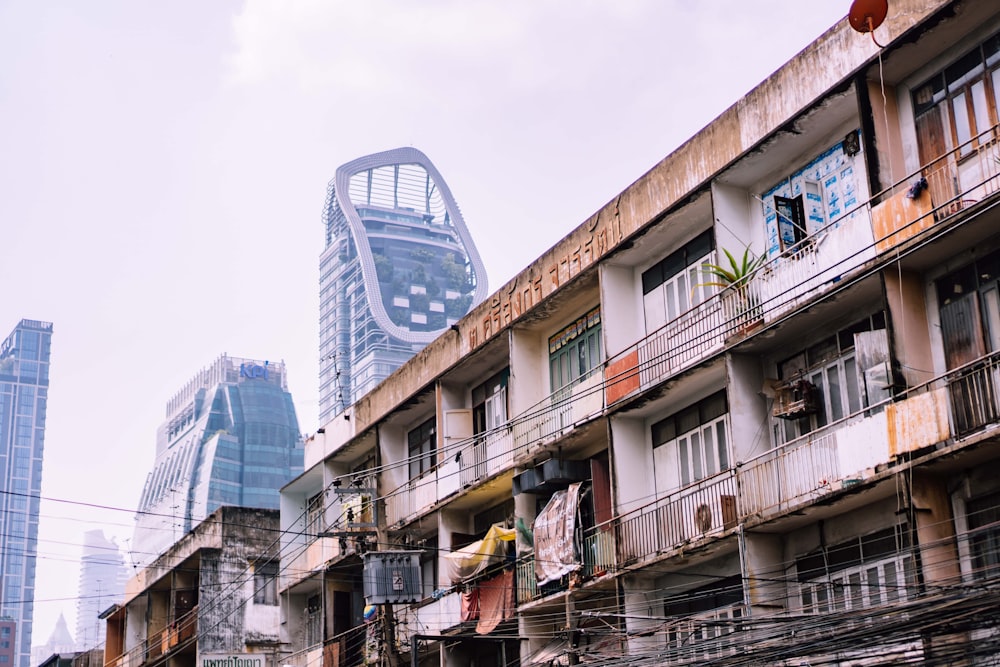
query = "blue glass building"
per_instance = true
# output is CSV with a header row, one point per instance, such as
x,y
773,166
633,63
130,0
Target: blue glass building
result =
x,y
24,385
398,269
231,437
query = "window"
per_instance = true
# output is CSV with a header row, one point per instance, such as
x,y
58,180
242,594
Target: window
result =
x,y
847,371
862,572
791,220
314,515
489,403
429,572
815,196
314,621
984,535
422,448
265,583
957,105
697,436
575,351
672,286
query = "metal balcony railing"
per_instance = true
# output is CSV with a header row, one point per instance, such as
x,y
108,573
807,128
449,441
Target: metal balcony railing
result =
x,y
961,178
487,454
707,507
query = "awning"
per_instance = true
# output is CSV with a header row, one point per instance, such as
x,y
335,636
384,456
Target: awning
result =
x,y
474,559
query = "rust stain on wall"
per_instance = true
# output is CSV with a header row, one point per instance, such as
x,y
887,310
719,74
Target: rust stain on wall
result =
x,y
918,422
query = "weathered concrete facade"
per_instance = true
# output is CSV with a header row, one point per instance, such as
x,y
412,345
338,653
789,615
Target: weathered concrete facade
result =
x,y
214,592
788,470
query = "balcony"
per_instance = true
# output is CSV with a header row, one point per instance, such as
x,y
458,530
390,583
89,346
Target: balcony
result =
x,y
312,558
180,634
431,618
416,496
307,657
488,454
875,229
697,511
134,657
347,649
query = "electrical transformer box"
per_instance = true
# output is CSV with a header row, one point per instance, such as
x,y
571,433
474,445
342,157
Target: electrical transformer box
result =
x,y
392,576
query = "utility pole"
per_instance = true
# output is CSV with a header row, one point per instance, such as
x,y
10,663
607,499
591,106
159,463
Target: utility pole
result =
x,y
390,657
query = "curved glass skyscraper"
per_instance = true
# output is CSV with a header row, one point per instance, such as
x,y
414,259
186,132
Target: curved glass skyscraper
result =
x,y
231,438
399,267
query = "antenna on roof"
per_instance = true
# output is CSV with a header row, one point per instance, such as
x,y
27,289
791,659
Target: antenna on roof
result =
x,y
866,15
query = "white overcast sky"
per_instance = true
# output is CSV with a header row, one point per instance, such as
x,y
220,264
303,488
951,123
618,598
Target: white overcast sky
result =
x,y
163,167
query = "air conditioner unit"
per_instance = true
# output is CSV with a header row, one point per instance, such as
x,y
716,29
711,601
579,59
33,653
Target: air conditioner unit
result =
x,y
391,577
705,519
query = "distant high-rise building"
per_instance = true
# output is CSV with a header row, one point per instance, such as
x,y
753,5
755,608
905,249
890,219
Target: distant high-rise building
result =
x,y
399,267
231,437
60,643
24,386
102,583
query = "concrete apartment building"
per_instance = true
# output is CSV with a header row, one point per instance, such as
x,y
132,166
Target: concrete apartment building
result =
x,y
794,469
211,599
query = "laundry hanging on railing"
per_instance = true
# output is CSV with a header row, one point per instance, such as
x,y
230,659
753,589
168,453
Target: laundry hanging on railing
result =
x,y
473,559
556,550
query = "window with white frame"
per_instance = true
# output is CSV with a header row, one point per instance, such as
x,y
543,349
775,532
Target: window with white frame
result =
x,y
695,440
675,284
868,571
846,372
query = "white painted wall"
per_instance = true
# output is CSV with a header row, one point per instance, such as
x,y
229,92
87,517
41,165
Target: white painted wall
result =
x,y
622,317
749,418
633,463
735,227
529,379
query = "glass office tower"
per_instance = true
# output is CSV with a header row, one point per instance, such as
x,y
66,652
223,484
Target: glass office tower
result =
x,y
24,386
399,267
231,437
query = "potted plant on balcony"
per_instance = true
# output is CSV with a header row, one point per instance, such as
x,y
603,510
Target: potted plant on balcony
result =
x,y
744,314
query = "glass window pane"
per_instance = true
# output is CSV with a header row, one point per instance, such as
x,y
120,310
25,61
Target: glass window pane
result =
x,y
851,384
891,582
682,292
682,447
874,591
720,431
671,301
996,88
817,380
709,445
836,402
960,110
980,107
857,597
696,456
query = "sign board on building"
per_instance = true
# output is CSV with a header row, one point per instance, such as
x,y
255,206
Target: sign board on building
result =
x,y
232,660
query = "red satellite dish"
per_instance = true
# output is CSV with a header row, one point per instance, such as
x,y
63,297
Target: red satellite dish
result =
x,y
866,15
